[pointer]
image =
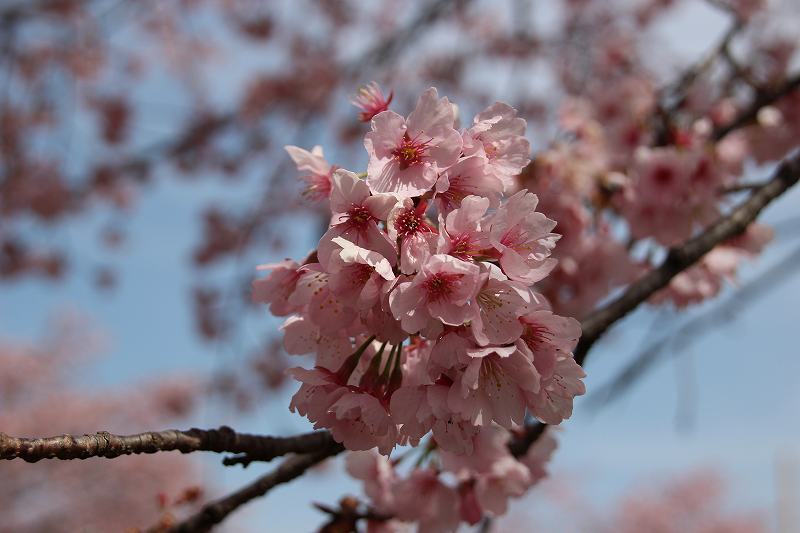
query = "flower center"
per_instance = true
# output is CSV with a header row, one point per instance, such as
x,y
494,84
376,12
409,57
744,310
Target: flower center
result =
x,y
664,176
463,248
410,151
359,216
440,285
536,335
409,222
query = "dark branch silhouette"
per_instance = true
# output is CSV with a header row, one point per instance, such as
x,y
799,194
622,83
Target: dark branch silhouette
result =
x,y
106,445
215,512
694,329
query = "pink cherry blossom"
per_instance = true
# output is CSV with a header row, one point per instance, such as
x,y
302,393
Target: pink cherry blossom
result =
x,y
358,274
371,101
276,288
497,134
462,235
355,416
301,336
523,238
423,408
424,499
325,309
552,404
441,290
538,455
319,171
378,476
360,422
419,310
499,304
356,216
493,386
670,192
320,388
491,473
406,155
469,176
408,225
551,339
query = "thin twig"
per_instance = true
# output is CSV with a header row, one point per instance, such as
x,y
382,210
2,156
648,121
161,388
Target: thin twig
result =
x,y
673,96
679,89
215,512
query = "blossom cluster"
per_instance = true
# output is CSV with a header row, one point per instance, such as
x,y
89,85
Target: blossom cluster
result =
x,y
419,302
479,484
622,196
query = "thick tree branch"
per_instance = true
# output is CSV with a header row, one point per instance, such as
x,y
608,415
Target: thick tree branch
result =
x,y
682,257
724,313
215,512
678,259
104,444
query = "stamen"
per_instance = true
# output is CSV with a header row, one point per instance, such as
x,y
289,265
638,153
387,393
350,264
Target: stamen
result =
x,y
410,151
409,222
536,335
358,216
440,285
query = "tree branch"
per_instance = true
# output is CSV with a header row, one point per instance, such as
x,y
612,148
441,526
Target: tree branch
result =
x,y
104,444
761,100
724,313
682,257
215,512
678,259
594,327
673,96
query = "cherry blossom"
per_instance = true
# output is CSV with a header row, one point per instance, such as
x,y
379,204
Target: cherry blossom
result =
x,y
406,154
523,238
419,310
319,171
356,214
371,101
497,135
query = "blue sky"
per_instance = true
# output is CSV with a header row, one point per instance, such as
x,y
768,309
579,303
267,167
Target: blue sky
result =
x,y
729,401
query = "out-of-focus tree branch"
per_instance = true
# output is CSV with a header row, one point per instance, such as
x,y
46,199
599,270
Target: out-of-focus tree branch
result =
x,y
104,444
678,90
207,127
761,100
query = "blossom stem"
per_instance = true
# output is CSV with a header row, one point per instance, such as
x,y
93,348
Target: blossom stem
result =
x,y
350,364
386,369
